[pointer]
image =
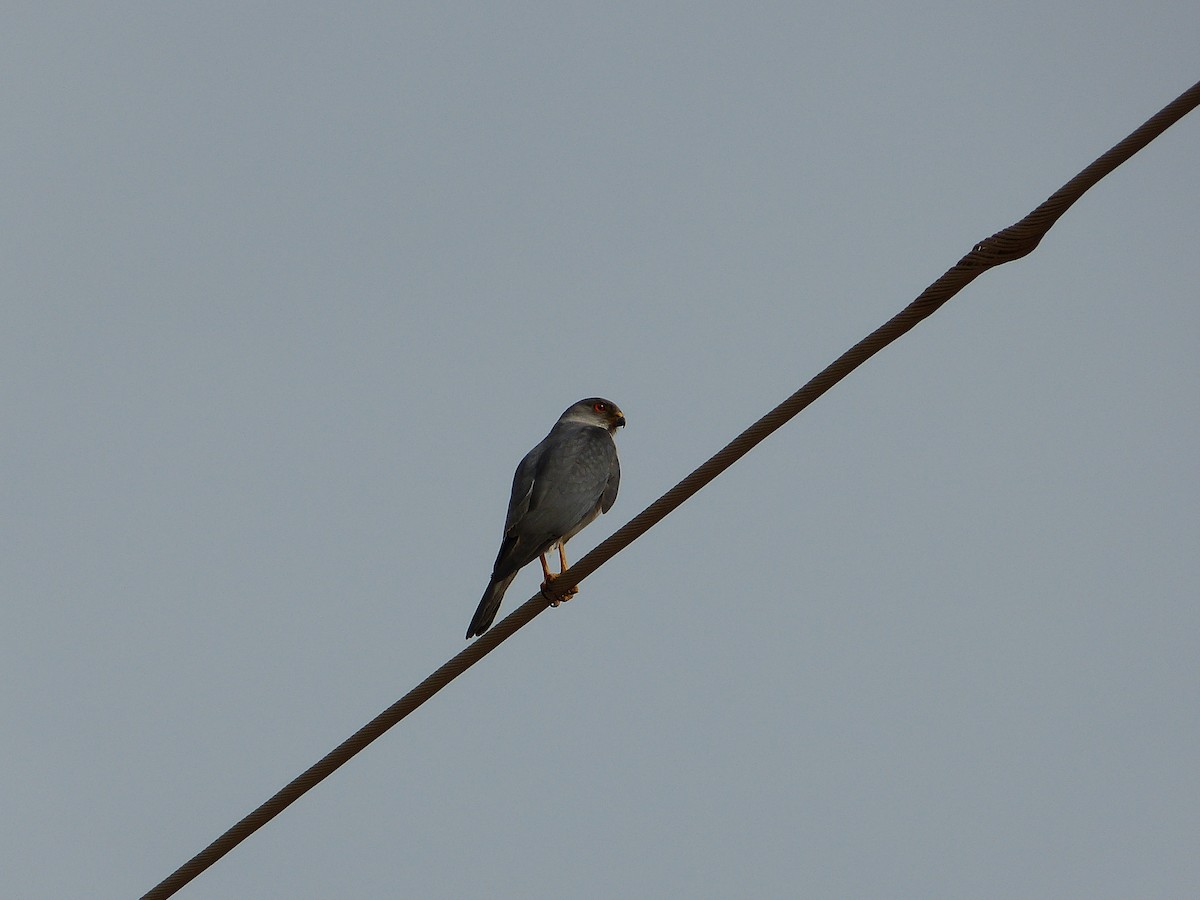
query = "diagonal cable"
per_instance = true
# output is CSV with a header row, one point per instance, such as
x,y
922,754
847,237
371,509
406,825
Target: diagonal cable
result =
x,y
1004,246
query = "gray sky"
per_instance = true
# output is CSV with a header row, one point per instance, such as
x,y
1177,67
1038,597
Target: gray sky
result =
x,y
291,288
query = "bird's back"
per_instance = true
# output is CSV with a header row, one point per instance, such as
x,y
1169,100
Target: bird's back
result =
x,y
570,473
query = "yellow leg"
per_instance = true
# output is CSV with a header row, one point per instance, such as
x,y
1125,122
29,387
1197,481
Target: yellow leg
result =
x,y
556,599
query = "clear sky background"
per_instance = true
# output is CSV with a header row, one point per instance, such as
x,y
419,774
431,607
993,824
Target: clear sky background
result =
x,y
289,289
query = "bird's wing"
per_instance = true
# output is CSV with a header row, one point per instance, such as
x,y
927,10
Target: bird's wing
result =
x,y
614,480
522,488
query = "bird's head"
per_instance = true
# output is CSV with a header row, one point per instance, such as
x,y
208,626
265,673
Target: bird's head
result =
x,y
595,411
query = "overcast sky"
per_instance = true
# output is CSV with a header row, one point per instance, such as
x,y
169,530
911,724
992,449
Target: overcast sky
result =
x,y
291,288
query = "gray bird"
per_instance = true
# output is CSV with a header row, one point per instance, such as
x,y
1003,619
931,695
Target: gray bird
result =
x,y
561,486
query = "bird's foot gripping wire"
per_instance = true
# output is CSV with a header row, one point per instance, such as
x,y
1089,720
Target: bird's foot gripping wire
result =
x,y
556,596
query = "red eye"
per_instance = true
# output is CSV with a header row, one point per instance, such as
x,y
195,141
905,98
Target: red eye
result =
x,y
599,407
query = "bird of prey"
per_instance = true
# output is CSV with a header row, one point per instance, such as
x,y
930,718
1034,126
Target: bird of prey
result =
x,y
560,487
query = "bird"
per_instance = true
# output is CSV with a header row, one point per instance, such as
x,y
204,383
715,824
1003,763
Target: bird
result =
x,y
561,486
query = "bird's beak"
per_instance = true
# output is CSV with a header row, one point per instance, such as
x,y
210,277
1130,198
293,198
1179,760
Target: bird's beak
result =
x,y
620,422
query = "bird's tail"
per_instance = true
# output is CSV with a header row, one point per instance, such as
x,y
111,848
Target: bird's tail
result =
x,y
489,606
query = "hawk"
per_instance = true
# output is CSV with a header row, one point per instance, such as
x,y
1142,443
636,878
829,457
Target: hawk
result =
x,y
561,486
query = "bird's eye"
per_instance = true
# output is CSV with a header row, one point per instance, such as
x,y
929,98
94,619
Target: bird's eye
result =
x,y
599,407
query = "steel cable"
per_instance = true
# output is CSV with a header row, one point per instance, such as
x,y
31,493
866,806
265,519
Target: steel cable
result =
x,y
1011,243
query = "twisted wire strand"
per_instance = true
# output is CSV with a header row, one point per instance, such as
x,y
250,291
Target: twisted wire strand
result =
x,y
1006,245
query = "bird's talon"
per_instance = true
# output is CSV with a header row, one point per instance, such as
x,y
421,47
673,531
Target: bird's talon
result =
x,y
554,597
